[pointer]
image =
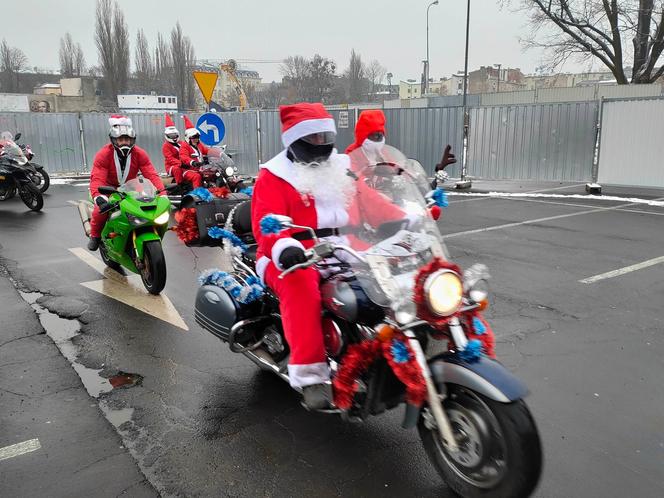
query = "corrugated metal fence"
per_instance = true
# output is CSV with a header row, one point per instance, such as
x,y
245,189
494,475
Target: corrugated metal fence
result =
x,y
535,142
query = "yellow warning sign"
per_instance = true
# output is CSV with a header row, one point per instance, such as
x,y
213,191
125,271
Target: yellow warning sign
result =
x,y
206,83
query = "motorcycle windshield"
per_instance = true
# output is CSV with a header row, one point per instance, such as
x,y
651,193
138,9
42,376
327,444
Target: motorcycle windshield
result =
x,y
140,189
218,159
13,152
391,227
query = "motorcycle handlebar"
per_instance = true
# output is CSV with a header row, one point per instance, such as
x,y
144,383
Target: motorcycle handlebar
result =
x,y
314,256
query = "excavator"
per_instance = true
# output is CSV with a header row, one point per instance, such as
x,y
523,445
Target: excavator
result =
x,y
229,68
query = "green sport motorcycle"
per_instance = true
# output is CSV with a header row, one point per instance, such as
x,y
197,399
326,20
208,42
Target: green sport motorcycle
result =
x,y
132,235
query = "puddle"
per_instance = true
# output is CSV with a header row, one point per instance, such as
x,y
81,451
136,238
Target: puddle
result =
x,y
117,417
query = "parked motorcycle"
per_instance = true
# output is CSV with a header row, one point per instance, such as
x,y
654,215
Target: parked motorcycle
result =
x,y
40,177
400,325
132,235
16,176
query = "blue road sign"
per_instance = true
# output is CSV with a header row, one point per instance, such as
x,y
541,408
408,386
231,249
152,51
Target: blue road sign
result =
x,y
212,128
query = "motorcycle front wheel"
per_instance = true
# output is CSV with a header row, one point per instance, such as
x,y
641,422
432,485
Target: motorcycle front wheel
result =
x,y
31,196
41,180
499,454
153,273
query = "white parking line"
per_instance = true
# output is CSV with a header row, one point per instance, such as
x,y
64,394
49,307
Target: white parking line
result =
x,y
573,204
539,220
19,449
486,196
622,271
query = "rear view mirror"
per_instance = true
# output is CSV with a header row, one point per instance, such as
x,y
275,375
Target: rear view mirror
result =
x,y
17,136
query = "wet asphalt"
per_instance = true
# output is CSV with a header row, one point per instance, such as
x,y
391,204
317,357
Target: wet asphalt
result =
x,y
193,419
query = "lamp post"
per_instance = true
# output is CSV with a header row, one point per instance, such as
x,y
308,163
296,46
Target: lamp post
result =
x,y
464,182
426,70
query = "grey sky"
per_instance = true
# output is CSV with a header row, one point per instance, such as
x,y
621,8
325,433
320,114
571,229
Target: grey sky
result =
x,y
394,32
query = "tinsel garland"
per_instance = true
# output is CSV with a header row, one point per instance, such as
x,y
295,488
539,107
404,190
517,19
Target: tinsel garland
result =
x,y
247,191
187,226
222,233
419,295
270,225
439,197
244,294
360,356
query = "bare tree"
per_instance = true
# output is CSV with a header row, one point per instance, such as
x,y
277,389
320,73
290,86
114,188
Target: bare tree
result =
x,y
356,77
602,30
321,78
163,66
72,60
295,72
112,39
375,73
12,61
145,66
183,59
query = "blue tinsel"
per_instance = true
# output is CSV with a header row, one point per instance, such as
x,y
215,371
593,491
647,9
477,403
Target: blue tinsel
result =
x,y
248,191
202,193
220,233
440,198
478,326
243,294
269,224
472,351
399,351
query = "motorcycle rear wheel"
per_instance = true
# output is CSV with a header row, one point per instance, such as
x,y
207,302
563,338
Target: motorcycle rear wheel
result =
x,y
500,451
31,196
41,180
153,273
109,262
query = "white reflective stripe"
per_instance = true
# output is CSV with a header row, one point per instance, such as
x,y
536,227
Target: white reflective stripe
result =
x,y
307,375
122,177
19,449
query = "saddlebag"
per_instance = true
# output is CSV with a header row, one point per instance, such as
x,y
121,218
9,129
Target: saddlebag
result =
x,y
203,215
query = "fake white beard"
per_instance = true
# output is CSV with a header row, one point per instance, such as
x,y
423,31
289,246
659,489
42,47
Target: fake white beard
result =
x,y
373,149
326,181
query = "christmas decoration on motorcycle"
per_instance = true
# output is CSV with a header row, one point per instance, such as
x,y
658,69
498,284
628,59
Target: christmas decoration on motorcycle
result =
x,y
472,352
244,294
360,356
205,209
247,191
222,233
187,227
270,225
419,294
477,328
439,197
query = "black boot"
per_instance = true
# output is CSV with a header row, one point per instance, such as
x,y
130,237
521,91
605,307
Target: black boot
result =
x,y
93,243
317,397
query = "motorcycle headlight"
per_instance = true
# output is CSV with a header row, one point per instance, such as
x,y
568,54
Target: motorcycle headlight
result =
x,y
136,220
229,171
162,218
444,292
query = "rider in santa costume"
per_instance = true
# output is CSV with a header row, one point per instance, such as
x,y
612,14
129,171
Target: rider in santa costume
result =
x,y
114,164
192,154
312,184
171,150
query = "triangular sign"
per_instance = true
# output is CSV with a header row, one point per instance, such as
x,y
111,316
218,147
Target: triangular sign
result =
x,y
206,83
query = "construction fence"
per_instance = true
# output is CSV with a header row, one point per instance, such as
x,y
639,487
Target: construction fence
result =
x,y
552,141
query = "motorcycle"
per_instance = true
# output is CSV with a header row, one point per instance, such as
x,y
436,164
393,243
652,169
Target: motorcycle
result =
x,y
16,176
399,326
218,170
40,177
132,235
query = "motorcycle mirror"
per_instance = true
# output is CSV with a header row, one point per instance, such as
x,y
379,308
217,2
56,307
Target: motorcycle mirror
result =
x,y
17,136
107,190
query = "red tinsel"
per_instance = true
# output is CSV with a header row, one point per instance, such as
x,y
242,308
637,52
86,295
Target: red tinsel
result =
x,y
219,192
409,373
187,226
488,339
358,359
419,297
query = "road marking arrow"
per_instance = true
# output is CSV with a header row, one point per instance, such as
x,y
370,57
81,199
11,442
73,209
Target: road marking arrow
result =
x,y
206,127
129,290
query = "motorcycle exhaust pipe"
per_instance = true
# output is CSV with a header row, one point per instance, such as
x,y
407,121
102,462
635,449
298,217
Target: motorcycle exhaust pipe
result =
x,y
85,212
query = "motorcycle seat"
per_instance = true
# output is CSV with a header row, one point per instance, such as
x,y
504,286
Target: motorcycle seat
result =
x,y
242,219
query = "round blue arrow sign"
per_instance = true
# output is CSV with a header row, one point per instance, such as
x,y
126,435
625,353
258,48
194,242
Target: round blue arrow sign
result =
x,y
212,128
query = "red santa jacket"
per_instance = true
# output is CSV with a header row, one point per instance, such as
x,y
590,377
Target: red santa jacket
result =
x,y
106,169
274,193
189,153
171,153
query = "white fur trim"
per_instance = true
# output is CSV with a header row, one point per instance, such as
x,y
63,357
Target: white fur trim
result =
x,y
279,247
281,166
331,215
307,127
307,375
119,121
261,267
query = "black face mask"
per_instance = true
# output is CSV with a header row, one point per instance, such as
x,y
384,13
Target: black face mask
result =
x,y
305,152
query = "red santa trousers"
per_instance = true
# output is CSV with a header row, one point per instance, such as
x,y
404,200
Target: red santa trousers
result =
x,y
187,175
97,222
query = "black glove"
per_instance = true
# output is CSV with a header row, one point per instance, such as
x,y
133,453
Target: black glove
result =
x,y
197,164
291,256
448,158
102,203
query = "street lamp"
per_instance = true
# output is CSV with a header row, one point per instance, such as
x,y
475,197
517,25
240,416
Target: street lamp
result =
x,y
465,183
426,71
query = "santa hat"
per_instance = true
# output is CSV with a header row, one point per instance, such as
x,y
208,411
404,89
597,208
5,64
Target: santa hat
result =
x,y
369,122
189,128
119,120
170,126
300,120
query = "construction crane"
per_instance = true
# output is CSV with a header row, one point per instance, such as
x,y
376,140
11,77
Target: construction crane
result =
x,y
229,68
